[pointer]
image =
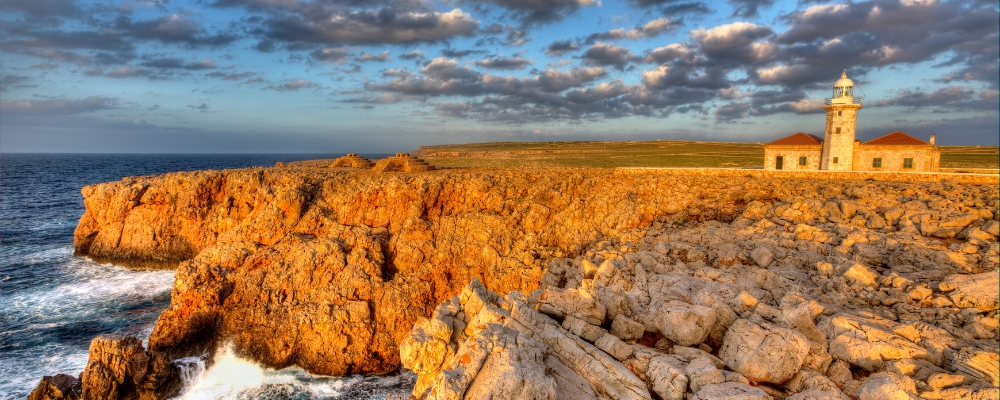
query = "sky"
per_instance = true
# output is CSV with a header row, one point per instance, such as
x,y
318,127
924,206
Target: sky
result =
x,y
380,76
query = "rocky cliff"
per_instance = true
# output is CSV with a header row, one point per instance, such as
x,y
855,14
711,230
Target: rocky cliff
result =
x,y
330,270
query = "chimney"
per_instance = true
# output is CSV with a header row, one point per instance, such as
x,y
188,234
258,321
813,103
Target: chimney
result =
x,y
932,139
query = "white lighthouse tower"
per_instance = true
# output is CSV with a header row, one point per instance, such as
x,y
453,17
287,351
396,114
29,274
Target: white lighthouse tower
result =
x,y
841,120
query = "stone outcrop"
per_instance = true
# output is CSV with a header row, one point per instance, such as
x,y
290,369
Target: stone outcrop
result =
x,y
118,367
616,283
402,162
352,160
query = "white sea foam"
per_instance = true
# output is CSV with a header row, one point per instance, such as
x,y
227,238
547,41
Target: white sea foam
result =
x,y
232,377
47,327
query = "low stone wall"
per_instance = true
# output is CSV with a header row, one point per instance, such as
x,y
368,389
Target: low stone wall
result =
x,y
976,179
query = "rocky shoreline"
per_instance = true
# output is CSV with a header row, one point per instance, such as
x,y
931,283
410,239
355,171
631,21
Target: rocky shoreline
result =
x,y
785,287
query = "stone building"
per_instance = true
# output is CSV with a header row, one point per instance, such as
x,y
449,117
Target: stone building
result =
x,y
838,150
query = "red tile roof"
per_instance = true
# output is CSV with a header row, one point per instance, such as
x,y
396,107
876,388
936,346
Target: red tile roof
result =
x,y
798,139
897,138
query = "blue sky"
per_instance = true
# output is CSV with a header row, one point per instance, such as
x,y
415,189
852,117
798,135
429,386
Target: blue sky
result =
x,y
386,75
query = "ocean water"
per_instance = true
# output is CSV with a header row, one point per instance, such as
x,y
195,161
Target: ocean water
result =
x,y
53,303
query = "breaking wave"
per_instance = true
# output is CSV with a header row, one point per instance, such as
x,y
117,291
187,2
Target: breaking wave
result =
x,y
232,377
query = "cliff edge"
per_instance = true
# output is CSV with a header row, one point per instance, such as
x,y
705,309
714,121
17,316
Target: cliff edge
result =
x,y
330,269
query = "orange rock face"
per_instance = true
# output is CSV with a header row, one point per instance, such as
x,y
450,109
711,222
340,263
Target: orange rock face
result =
x,y
330,269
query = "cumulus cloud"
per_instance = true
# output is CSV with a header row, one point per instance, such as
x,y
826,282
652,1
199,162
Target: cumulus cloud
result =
x,y
177,63
560,47
230,76
749,8
735,41
14,82
604,54
531,12
732,111
879,33
504,63
330,55
381,26
57,106
652,29
173,29
959,97
365,57
41,9
671,52
413,55
294,84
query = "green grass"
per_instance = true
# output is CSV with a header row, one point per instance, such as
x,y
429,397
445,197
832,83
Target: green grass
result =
x,y
599,154
970,157
673,153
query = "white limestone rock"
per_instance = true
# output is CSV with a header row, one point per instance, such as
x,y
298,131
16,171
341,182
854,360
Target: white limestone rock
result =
x,y
685,324
666,376
977,291
762,256
887,386
763,353
614,346
579,303
626,328
702,372
866,343
731,391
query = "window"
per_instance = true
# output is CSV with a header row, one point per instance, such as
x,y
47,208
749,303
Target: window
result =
x,y
835,159
908,163
838,129
779,162
840,113
876,163
802,161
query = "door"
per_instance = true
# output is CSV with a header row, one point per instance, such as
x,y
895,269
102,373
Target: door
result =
x,y
779,162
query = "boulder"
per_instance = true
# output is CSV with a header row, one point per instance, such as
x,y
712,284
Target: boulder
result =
x,y
59,387
579,303
731,391
614,346
978,363
702,372
887,386
977,291
666,376
685,324
861,274
514,369
762,256
865,343
819,394
583,329
626,328
763,353
498,363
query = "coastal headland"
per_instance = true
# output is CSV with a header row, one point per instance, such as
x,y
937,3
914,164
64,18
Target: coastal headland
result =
x,y
559,282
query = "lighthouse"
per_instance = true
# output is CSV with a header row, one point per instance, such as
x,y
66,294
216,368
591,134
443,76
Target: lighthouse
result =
x,y
841,123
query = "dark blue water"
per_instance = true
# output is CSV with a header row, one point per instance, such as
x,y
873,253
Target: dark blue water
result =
x,y
52,303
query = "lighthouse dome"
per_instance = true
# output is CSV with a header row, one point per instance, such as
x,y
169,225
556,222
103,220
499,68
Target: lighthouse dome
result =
x,y
843,89
844,81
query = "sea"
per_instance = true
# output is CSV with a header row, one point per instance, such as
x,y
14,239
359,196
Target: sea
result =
x,y
53,303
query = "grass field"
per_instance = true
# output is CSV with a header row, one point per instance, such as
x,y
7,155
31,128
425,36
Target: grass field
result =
x,y
673,153
969,157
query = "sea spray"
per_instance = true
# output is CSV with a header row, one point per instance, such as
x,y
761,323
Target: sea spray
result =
x,y
232,377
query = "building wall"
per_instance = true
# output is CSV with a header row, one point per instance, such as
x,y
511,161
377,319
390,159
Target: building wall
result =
x,y
840,145
791,156
925,158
